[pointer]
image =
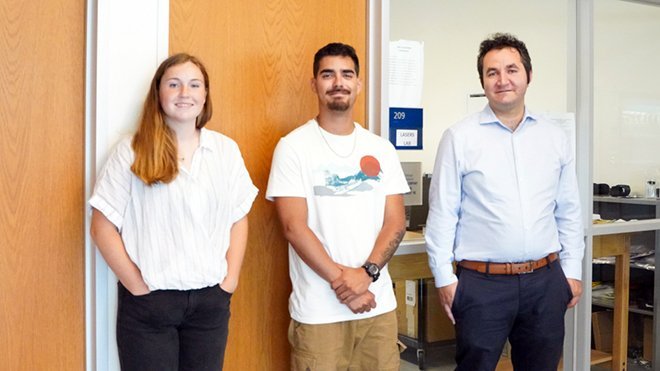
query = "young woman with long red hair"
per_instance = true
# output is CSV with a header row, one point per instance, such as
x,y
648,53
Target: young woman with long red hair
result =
x,y
170,219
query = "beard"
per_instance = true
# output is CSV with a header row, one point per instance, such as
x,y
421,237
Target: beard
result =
x,y
339,106
343,103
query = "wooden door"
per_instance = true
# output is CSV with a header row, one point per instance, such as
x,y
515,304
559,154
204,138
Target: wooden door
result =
x,y
259,55
41,185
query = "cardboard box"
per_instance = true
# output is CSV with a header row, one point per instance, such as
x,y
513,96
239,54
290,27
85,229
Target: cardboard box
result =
x,y
406,308
647,352
438,326
601,323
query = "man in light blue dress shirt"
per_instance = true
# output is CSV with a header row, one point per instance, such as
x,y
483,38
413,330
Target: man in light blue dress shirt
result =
x,y
504,205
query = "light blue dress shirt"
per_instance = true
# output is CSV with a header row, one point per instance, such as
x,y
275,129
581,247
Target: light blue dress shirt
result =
x,y
498,195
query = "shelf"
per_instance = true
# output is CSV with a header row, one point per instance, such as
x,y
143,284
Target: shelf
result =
x,y
610,305
645,267
628,200
598,357
643,228
625,227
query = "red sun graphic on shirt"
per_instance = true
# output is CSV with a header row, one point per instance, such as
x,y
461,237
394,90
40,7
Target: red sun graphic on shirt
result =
x,y
370,166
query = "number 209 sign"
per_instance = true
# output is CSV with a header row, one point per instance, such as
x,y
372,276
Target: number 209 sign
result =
x,y
406,127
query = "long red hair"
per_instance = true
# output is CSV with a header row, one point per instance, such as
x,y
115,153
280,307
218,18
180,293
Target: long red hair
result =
x,y
154,143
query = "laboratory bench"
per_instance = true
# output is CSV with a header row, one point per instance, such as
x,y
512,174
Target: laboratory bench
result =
x,y
422,323
627,258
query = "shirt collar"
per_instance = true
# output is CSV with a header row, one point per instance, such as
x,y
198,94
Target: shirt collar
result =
x,y
205,140
487,116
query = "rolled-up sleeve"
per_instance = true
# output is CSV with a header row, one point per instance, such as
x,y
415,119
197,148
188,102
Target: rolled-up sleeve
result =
x,y
244,191
112,190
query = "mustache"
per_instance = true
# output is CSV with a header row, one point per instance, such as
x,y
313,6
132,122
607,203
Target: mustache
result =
x,y
338,90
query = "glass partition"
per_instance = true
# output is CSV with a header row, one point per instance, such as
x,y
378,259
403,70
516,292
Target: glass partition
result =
x,y
626,169
626,95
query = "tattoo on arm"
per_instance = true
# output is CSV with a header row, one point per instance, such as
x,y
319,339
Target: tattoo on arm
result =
x,y
392,246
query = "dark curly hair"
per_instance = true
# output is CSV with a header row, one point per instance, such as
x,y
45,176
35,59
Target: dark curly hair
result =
x,y
499,41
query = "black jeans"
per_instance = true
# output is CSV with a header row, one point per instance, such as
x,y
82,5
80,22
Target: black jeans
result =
x,y
528,309
172,330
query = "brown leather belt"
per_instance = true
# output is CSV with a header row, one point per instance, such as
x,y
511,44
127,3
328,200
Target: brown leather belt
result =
x,y
508,268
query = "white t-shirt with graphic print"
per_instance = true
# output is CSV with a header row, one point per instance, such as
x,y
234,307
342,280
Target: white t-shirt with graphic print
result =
x,y
345,181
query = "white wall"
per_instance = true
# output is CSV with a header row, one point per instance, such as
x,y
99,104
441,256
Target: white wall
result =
x,y
452,31
627,93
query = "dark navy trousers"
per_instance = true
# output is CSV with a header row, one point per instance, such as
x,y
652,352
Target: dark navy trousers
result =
x,y
172,330
527,309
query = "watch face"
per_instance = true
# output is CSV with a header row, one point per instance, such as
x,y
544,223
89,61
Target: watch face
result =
x,y
372,270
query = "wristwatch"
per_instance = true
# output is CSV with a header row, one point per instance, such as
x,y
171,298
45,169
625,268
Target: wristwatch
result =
x,y
372,270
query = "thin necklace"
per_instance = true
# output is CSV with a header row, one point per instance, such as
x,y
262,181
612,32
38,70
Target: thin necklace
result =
x,y
329,146
197,138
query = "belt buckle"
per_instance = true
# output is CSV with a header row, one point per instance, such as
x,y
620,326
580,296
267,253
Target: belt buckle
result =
x,y
530,268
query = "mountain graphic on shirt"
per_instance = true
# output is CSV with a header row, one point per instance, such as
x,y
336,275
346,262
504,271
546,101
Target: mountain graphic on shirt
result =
x,y
336,185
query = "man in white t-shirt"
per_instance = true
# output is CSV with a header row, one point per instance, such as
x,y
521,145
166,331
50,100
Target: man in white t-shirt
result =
x,y
338,190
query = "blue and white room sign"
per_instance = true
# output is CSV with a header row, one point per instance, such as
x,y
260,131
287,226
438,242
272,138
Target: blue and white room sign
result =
x,y
406,127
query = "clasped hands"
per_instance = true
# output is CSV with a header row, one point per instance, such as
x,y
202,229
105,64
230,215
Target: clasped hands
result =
x,y
352,289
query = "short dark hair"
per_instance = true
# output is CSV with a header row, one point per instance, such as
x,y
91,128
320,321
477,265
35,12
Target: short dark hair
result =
x,y
336,49
499,41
